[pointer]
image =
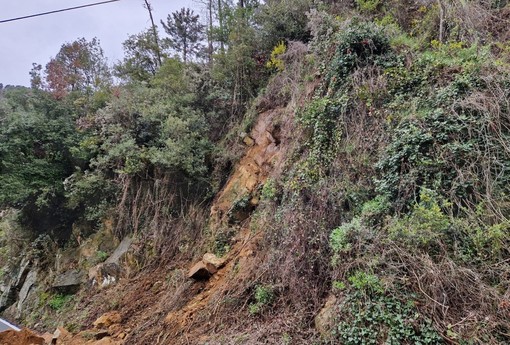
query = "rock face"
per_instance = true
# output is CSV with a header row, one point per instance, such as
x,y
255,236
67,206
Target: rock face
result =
x,y
264,154
109,272
69,282
10,290
122,249
30,280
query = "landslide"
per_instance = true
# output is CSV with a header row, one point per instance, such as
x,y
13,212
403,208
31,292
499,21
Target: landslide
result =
x,y
162,305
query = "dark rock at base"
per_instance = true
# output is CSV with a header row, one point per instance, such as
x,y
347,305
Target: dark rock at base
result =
x,y
69,282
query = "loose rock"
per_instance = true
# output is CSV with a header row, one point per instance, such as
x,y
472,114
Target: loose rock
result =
x,y
202,270
210,258
108,319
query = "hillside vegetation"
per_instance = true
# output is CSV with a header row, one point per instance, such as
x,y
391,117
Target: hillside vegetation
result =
x,y
348,161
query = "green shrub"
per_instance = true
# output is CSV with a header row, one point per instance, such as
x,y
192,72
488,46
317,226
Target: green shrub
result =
x,y
263,296
373,210
359,45
426,226
341,237
101,256
381,319
368,6
480,243
338,285
59,301
366,282
269,191
321,119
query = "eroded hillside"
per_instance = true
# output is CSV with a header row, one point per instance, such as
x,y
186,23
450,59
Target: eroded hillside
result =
x,y
335,173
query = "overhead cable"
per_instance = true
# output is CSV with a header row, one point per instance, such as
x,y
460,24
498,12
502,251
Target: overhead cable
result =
x,y
56,11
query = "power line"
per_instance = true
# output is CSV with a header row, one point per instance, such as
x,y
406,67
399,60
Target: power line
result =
x,y
57,11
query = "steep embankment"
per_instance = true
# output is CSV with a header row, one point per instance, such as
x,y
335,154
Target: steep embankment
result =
x,y
374,212
164,305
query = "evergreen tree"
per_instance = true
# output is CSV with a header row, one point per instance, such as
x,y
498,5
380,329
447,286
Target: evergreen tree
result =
x,y
185,32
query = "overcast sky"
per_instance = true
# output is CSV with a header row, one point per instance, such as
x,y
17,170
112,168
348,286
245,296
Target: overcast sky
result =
x,y
38,39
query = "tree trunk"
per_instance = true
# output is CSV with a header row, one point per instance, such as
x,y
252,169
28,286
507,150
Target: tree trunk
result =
x,y
154,32
209,36
220,20
441,21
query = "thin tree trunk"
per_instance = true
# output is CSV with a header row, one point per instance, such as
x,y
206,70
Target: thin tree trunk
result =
x,y
154,32
209,36
220,20
441,21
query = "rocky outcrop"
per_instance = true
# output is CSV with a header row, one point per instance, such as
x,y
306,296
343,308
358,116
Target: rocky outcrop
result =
x,y
106,331
108,319
213,260
30,281
201,271
69,282
119,252
109,272
238,198
10,290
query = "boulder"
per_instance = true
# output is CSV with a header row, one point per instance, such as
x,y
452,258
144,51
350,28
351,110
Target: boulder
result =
x,y
212,259
61,333
202,270
106,341
69,282
104,274
108,319
48,338
324,321
248,141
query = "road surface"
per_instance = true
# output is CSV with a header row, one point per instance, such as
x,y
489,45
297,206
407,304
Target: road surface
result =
x,y
5,326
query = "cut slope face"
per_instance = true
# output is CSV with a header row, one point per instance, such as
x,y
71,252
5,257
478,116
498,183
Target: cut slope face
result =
x,y
195,319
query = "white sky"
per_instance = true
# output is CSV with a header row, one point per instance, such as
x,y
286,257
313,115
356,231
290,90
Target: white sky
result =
x,y
38,39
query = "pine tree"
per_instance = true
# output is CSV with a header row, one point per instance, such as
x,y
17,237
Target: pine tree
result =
x,y
185,32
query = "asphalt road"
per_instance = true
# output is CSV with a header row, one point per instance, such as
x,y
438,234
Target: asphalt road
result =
x,y
5,326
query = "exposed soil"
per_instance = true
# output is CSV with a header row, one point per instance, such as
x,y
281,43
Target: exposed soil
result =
x,y
24,337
